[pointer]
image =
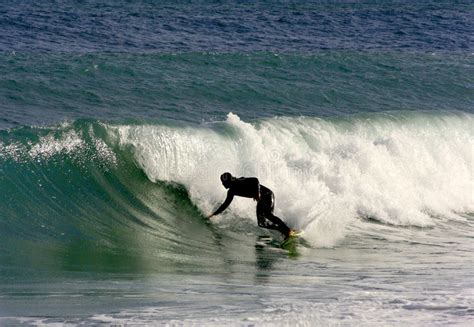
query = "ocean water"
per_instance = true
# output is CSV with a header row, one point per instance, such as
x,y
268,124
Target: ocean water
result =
x,y
117,118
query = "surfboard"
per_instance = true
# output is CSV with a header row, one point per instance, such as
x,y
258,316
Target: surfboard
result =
x,y
267,241
296,233
288,245
291,243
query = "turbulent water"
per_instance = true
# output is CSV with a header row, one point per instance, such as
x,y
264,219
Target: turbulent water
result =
x,y
116,121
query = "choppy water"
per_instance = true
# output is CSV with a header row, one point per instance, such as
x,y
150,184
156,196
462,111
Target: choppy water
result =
x,y
116,121
147,26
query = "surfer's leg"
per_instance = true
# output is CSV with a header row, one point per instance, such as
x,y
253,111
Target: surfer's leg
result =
x,y
266,218
278,224
261,210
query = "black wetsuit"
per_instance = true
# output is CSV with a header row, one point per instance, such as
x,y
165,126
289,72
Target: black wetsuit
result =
x,y
250,188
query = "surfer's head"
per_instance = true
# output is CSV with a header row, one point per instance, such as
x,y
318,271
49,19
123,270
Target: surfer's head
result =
x,y
226,179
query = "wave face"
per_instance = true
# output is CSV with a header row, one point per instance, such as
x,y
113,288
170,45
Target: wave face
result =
x,y
87,183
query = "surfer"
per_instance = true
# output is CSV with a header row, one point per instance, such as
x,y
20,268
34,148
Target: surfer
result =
x,y
250,187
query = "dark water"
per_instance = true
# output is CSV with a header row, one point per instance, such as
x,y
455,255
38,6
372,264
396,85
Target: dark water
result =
x,y
117,118
240,26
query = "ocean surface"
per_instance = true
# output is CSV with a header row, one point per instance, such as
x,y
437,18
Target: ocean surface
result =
x,y
118,117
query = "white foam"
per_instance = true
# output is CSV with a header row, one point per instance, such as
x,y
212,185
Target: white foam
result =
x,y
49,146
69,143
400,170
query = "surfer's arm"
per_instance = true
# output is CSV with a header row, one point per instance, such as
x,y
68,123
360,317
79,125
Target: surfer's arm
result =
x,y
257,197
228,200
